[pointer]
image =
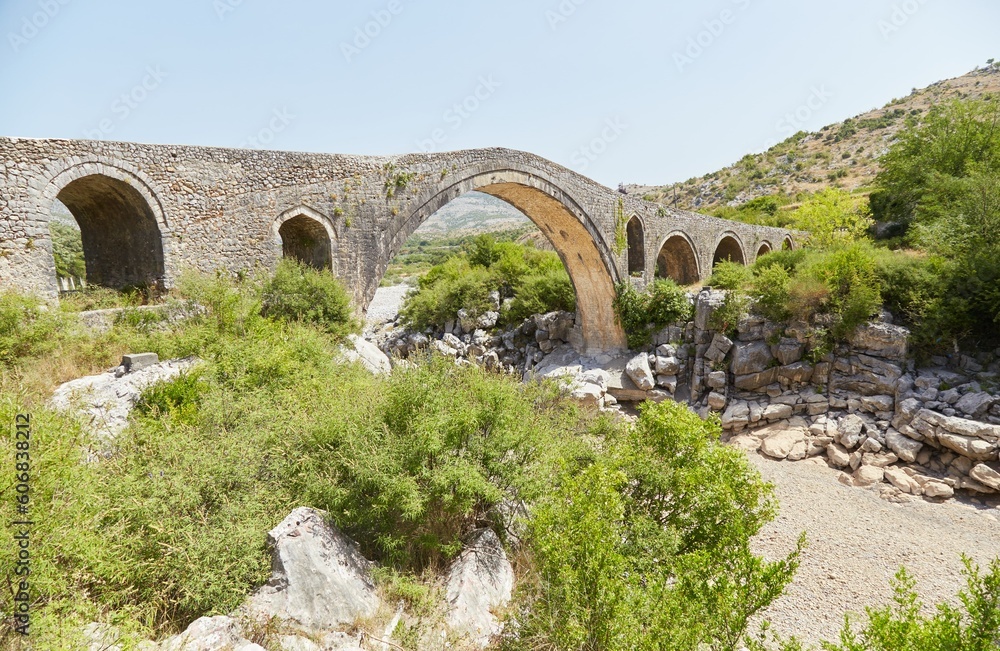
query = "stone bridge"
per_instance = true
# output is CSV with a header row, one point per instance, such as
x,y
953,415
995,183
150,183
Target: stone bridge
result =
x,y
147,212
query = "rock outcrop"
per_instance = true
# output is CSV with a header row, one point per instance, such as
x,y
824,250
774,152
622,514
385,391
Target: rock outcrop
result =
x,y
480,581
319,578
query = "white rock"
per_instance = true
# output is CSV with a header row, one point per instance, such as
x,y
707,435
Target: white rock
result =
x,y
838,456
106,400
588,394
868,475
935,488
973,448
986,476
210,634
716,401
902,481
368,354
777,412
319,578
480,581
780,444
906,448
639,372
667,366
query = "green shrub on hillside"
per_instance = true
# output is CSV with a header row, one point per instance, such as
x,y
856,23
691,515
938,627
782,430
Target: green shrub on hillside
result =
x,y
628,556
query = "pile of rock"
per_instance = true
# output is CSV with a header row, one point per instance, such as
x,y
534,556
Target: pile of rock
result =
x,y
516,351
321,589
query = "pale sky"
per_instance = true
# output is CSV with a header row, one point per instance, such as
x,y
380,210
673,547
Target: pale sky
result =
x,y
636,91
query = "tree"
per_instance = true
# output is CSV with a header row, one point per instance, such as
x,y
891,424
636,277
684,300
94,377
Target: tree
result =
x,y
833,216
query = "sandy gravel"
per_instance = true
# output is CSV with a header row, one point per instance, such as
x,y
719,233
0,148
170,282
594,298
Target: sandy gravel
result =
x,y
385,306
858,540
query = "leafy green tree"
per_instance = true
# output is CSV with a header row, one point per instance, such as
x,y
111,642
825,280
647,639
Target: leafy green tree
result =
x,y
833,216
950,141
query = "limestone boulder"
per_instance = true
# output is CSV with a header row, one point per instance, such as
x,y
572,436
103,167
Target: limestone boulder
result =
x,y
975,405
788,351
751,358
640,373
480,581
368,355
973,448
210,634
780,443
881,340
319,578
901,480
986,476
904,447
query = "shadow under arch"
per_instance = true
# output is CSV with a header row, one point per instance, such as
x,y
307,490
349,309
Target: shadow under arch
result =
x,y
635,232
307,236
729,248
764,249
568,228
121,224
677,259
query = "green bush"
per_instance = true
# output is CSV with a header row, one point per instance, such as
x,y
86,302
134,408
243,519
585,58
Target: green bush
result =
x,y
849,275
647,547
541,293
641,313
771,293
445,290
297,292
28,327
730,275
536,281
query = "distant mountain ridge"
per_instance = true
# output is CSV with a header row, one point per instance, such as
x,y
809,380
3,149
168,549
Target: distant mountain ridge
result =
x,y
474,212
844,154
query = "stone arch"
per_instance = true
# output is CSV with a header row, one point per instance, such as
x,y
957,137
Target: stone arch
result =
x,y
678,260
635,233
307,236
577,239
787,244
121,221
729,247
764,249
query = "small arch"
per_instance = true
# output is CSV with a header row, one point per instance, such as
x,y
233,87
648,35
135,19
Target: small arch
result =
x,y
677,260
764,249
636,246
306,236
787,244
729,248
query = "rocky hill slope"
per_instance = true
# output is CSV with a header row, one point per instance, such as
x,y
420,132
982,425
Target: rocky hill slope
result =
x,y
844,154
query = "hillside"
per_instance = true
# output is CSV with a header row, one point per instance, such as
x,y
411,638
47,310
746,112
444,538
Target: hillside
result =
x,y
474,212
844,154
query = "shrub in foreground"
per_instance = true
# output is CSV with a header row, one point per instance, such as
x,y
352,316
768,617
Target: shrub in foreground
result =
x,y
299,293
647,547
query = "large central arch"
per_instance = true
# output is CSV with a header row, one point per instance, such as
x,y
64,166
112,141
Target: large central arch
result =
x,y
565,224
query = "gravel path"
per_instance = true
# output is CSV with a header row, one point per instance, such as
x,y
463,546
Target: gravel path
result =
x,y
385,306
857,541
